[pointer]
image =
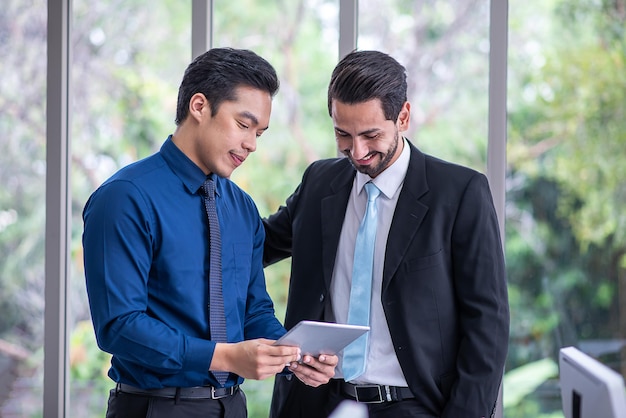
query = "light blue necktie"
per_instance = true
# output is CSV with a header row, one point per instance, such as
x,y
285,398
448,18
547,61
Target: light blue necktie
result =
x,y
355,355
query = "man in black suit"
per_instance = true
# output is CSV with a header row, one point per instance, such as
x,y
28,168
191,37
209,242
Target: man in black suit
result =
x,y
439,311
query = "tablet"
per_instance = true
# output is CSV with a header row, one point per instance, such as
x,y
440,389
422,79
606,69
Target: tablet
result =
x,y
315,338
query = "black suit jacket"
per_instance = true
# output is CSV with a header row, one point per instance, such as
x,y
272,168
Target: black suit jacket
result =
x,y
444,288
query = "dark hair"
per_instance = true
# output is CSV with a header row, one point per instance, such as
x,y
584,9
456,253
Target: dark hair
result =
x,y
365,75
218,72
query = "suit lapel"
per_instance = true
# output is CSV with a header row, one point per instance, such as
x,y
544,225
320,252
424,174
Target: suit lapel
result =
x,y
333,208
408,215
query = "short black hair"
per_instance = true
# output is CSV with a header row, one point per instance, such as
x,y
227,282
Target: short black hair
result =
x,y
366,75
218,72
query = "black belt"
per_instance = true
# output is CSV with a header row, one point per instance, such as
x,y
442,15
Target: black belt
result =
x,y
376,393
197,392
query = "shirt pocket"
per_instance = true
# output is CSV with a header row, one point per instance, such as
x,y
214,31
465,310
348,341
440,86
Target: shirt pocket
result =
x,y
236,269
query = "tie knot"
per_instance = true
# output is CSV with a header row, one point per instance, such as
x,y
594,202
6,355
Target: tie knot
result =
x,y
372,191
208,188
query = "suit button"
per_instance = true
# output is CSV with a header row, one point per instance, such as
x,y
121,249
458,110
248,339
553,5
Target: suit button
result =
x,y
322,297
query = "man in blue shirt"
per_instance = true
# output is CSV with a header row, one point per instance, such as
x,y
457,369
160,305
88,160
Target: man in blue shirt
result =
x,y
146,254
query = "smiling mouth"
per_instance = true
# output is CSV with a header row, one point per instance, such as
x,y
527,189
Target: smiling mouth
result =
x,y
366,160
238,159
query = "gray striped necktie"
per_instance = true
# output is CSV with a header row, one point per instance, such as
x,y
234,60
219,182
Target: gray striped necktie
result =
x,y
217,318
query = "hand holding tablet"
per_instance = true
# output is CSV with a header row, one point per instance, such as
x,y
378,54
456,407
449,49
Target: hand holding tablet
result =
x,y
315,338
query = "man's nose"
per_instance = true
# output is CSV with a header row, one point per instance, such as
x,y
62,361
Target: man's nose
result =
x,y
359,149
249,144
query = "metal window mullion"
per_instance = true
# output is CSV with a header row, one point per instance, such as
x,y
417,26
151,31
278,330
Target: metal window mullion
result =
x,y
57,237
348,26
348,31
497,136
496,148
201,27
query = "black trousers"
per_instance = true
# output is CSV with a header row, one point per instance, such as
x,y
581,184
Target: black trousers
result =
x,y
126,405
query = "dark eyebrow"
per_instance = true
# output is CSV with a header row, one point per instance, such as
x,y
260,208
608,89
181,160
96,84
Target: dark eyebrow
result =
x,y
250,116
366,132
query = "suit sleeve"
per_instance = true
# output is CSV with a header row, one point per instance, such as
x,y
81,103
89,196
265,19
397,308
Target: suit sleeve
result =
x,y
481,293
279,229
278,236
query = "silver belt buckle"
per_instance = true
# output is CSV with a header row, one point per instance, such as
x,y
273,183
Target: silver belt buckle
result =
x,y
380,394
229,392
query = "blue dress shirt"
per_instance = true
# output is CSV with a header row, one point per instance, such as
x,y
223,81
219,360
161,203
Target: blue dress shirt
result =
x,y
146,255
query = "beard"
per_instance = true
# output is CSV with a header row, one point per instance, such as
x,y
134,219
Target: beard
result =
x,y
385,159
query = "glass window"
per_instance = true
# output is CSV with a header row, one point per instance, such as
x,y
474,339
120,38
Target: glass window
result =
x,y
565,228
124,98
565,234
300,40
22,205
127,62
444,47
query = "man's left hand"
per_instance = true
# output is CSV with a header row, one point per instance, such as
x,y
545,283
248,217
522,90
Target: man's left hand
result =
x,y
315,371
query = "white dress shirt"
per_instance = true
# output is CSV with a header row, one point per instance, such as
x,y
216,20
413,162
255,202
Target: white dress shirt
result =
x,y
382,367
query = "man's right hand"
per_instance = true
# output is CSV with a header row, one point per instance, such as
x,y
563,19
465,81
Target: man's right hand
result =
x,y
253,359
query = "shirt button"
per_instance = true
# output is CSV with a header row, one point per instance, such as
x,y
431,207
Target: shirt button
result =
x,y
322,297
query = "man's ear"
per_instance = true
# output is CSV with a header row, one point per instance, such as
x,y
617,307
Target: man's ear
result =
x,y
404,117
199,106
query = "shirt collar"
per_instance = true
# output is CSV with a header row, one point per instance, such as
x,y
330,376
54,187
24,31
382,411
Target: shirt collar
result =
x,y
186,170
390,180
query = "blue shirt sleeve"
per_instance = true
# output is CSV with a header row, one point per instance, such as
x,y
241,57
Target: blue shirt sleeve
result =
x,y
118,254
